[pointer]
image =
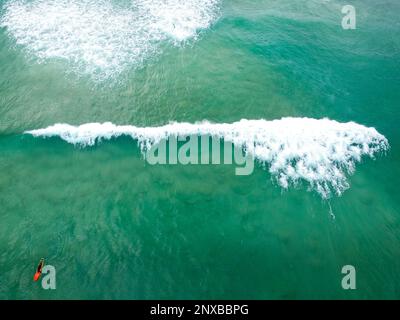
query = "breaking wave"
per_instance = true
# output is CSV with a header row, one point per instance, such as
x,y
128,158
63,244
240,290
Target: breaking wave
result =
x,y
319,152
103,38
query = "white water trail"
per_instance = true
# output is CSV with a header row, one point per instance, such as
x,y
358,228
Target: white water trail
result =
x,y
103,38
319,152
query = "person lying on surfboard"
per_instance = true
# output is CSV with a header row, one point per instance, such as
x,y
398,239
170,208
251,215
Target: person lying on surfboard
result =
x,y
39,270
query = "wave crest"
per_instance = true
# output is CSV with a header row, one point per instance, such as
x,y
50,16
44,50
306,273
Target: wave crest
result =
x,y
319,152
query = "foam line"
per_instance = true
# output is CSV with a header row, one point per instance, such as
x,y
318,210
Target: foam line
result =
x,y
319,152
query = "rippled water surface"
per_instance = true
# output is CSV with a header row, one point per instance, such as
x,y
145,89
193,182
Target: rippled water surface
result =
x,y
323,193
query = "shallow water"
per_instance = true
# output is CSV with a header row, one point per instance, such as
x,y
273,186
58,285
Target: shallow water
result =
x,y
116,227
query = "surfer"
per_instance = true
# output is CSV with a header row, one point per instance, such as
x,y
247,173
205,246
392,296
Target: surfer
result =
x,y
39,270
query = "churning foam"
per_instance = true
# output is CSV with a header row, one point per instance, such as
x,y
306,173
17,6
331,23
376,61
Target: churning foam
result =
x,y
319,152
104,37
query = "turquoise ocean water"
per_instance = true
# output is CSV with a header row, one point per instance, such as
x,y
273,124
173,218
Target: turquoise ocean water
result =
x,y
115,226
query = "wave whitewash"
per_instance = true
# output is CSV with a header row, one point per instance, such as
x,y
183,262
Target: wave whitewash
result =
x,y
320,152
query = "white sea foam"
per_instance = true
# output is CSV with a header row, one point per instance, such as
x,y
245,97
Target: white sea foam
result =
x,y
318,152
103,37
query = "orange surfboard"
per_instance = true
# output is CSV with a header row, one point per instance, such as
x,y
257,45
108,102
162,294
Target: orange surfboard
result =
x,y
39,270
37,276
